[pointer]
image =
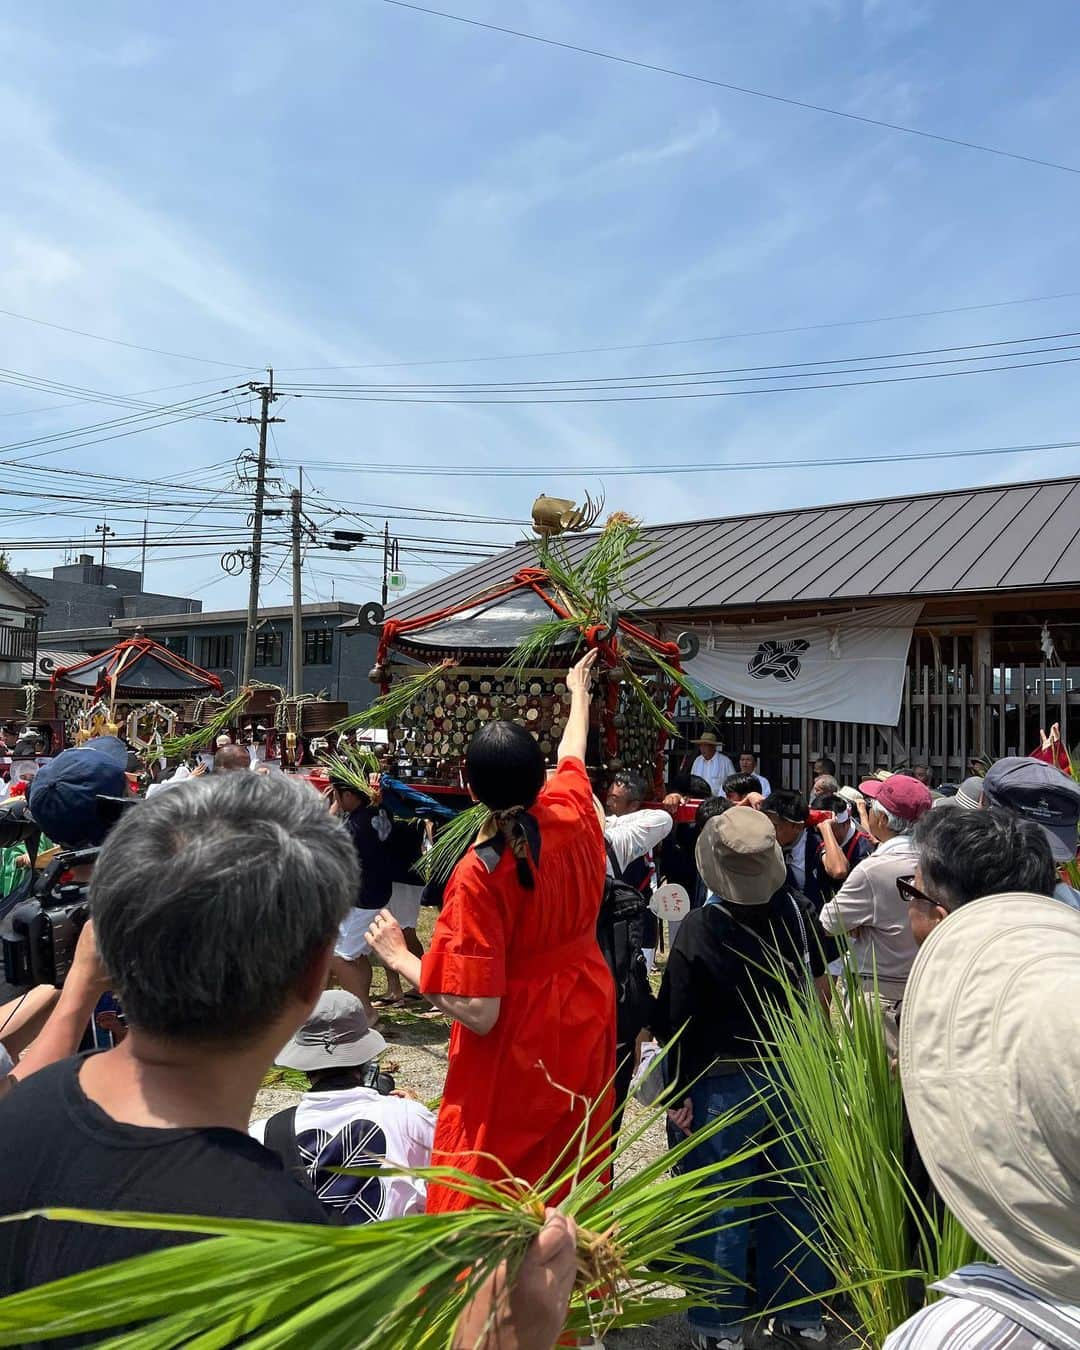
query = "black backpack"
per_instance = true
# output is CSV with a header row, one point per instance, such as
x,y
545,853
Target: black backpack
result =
x,y
620,929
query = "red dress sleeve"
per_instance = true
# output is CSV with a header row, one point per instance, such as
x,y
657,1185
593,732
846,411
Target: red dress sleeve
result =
x,y
467,956
568,794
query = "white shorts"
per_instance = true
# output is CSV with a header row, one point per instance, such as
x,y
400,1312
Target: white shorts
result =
x,y
405,904
351,942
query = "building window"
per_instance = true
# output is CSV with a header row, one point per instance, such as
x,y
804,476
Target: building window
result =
x,y
177,644
318,647
215,653
268,649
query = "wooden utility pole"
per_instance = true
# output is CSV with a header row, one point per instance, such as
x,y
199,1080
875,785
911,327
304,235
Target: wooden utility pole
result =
x,y
266,395
296,649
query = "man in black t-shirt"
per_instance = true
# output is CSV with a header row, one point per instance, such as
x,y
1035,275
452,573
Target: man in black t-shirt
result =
x,y
216,904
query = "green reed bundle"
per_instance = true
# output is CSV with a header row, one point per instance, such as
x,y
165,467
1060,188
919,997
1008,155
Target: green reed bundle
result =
x,y
451,841
180,747
591,588
352,765
389,707
842,1117
402,1284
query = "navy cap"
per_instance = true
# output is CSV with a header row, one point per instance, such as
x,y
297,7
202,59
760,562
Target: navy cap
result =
x,y
1040,793
64,796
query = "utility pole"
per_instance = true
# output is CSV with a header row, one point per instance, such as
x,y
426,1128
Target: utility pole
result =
x,y
145,525
296,652
104,531
386,563
266,395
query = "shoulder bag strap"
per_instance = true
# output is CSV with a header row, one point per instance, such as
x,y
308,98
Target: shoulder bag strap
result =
x,y
280,1138
617,871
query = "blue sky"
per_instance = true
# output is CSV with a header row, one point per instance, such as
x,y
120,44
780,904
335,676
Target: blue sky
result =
x,y
353,183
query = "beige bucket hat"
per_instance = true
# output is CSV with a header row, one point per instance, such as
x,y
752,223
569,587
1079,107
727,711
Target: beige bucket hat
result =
x,y
738,857
990,1062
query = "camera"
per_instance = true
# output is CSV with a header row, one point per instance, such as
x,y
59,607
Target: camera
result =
x,y
42,930
372,1077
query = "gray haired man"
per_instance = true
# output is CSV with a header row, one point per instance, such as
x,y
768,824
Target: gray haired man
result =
x,y
868,906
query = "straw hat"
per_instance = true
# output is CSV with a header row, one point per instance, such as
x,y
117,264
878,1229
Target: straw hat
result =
x,y
990,1062
707,738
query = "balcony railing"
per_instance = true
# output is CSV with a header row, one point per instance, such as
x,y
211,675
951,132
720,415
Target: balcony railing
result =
x,y
16,644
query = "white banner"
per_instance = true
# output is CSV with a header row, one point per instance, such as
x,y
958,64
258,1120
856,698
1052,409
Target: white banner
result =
x,y
847,668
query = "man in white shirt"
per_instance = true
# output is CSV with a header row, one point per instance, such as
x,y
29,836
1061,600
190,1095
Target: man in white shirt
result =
x,y
351,1117
748,763
868,905
712,764
631,829
631,832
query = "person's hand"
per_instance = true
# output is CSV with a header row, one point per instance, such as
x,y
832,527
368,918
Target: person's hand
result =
x,y
580,677
673,801
22,861
530,1312
375,788
386,939
1048,742
682,1117
540,1296
199,769
88,973
405,1094
754,800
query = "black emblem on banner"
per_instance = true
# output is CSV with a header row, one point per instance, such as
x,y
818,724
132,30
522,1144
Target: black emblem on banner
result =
x,y
779,659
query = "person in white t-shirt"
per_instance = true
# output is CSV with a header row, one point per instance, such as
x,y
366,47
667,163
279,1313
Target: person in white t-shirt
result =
x,y
712,764
351,1117
748,763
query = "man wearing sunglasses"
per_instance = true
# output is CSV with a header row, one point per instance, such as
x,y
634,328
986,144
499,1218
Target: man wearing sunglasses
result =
x,y
965,855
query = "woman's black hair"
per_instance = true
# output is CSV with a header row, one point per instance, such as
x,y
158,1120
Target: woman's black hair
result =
x,y
506,770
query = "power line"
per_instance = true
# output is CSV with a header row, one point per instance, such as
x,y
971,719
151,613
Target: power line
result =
x,y
628,471
740,89
167,417
116,342
514,400
780,369
689,341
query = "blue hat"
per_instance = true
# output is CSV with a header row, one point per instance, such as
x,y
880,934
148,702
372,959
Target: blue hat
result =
x,y
1039,792
65,795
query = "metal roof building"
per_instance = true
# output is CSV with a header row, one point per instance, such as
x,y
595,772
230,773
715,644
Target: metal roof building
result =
x,y
995,653
1016,538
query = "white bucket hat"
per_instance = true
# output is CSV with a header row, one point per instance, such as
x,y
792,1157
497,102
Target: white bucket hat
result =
x,y
990,1062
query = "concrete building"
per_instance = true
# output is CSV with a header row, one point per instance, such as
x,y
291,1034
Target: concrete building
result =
x,y
20,614
333,662
84,594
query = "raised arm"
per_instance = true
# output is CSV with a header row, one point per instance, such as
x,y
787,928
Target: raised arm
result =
x,y
576,734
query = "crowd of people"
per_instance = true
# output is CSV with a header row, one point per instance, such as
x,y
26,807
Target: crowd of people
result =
x,y
235,918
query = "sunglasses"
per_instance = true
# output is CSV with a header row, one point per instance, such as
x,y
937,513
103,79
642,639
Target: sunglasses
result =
x,y
909,891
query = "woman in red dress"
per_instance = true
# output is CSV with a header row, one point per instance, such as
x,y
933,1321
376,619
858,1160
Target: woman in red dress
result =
x,y
514,961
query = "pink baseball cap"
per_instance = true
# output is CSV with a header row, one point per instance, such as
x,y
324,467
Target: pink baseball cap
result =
x,y
900,795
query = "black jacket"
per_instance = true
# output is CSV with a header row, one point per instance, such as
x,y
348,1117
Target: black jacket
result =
x,y
718,977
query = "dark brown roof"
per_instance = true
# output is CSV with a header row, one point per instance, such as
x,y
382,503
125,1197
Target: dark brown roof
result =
x,y
1017,536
